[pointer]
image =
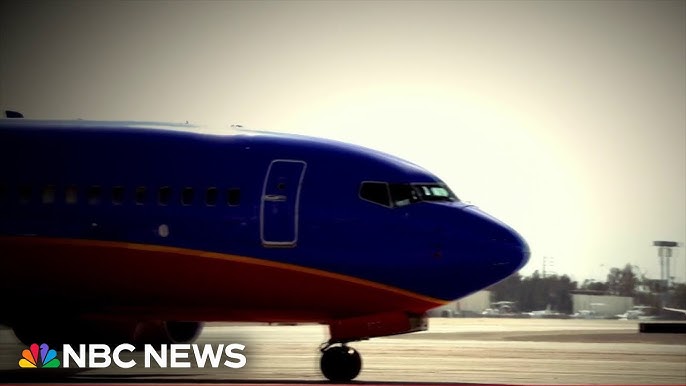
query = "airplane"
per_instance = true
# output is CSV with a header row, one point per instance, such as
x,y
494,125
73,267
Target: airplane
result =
x,y
638,312
144,231
679,310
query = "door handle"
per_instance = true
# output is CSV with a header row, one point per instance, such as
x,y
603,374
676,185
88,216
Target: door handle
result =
x,y
275,198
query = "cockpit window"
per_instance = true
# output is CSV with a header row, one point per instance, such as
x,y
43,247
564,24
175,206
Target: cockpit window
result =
x,y
376,192
435,193
399,195
406,194
403,194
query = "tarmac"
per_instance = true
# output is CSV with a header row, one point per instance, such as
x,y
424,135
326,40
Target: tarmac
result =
x,y
453,350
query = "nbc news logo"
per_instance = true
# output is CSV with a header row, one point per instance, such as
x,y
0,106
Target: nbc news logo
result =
x,y
39,356
102,356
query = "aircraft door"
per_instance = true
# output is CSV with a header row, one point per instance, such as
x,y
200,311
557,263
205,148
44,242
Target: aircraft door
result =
x,y
280,203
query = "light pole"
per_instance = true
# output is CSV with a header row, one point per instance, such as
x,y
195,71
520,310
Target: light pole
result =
x,y
548,262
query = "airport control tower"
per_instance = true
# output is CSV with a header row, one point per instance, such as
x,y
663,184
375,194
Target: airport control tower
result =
x,y
664,252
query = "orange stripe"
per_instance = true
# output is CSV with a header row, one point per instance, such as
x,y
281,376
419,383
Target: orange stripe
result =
x,y
229,257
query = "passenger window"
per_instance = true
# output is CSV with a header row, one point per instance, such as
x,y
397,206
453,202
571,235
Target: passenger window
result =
x,y
211,197
233,197
141,195
24,194
376,192
187,196
49,194
164,195
71,195
94,195
118,195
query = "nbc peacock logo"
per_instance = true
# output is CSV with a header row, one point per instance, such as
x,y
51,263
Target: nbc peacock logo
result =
x,y
39,356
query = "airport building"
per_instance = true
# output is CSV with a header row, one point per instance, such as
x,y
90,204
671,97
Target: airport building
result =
x,y
601,305
584,305
471,305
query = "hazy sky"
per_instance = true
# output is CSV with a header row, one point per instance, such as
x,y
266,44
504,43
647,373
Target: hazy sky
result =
x,y
567,120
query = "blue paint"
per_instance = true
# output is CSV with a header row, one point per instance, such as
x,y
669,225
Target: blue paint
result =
x,y
304,211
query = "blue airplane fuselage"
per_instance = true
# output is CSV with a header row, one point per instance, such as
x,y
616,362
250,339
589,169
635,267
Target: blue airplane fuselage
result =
x,y
88,199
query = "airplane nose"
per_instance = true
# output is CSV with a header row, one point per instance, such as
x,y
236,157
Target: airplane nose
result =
x,y
510,251
497,249
514,251
476,251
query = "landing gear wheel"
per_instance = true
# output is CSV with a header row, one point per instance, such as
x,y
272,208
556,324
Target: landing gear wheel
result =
x,y
340,363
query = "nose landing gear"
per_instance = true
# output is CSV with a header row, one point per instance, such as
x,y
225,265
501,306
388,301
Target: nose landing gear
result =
x,y
340,363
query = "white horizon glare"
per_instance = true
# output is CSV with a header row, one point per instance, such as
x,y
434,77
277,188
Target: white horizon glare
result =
x,y
566,119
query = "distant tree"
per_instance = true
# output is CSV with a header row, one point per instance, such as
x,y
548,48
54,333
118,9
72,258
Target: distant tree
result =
x,y
533,296
535,292
592,285
653,285
559,289
648,299
622,282
508,289
678,298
